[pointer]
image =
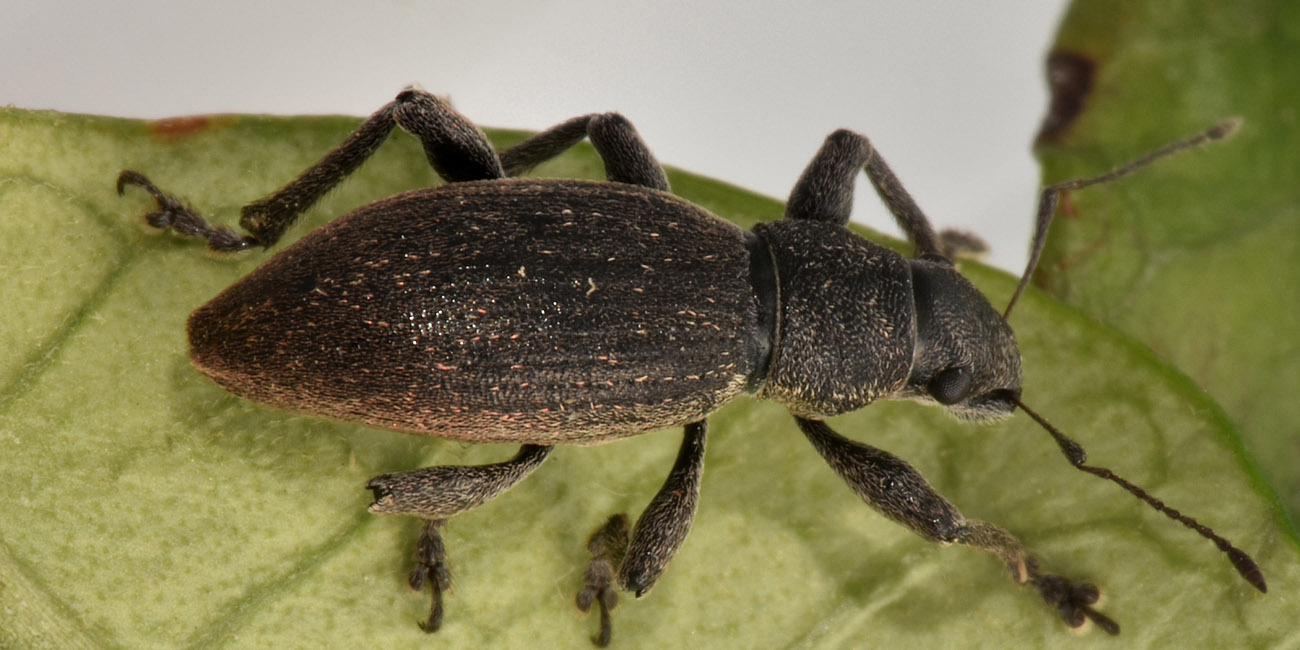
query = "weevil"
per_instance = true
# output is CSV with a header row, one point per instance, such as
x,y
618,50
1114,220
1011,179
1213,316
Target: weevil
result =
x,y
543,312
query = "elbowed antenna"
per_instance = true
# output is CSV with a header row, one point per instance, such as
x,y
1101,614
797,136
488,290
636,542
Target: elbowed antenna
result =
x,y
1242,562
1051,194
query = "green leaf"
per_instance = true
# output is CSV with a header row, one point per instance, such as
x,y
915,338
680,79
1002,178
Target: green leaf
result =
x,y
1196,257
146,507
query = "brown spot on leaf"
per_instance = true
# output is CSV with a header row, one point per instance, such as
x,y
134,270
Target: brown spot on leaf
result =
x,y
1068,209
172,129
1069,78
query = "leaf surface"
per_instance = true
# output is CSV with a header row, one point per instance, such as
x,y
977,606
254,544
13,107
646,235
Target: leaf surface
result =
x,y
146,507
1196,257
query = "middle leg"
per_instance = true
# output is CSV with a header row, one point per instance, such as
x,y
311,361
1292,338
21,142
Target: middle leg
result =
x,y
658,534
627,158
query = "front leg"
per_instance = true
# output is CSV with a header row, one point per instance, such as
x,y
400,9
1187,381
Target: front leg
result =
x,y
824,191
899,492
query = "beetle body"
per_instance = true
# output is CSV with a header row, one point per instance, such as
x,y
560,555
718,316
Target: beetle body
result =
x,y
542,312
522,311
556,311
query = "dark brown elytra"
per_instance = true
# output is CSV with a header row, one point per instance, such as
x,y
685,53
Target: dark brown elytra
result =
x,y
544,311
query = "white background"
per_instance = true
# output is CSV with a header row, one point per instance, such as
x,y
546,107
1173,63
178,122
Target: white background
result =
x,y
950,92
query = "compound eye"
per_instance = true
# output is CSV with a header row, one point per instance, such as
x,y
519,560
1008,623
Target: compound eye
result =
x,y
952,385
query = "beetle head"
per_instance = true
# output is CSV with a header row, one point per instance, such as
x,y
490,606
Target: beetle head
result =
x,y
965,356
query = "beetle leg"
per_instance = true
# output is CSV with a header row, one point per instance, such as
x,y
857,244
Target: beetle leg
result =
x,y
457,150
899,492
627,158
173,214
658,534
431,566
663,526
824,191
608,547
447,490
436,494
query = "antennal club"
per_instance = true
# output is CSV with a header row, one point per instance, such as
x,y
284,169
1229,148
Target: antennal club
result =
x,y
1051,194
1077,457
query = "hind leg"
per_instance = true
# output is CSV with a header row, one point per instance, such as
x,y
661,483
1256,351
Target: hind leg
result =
x,y
457,150
436,494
